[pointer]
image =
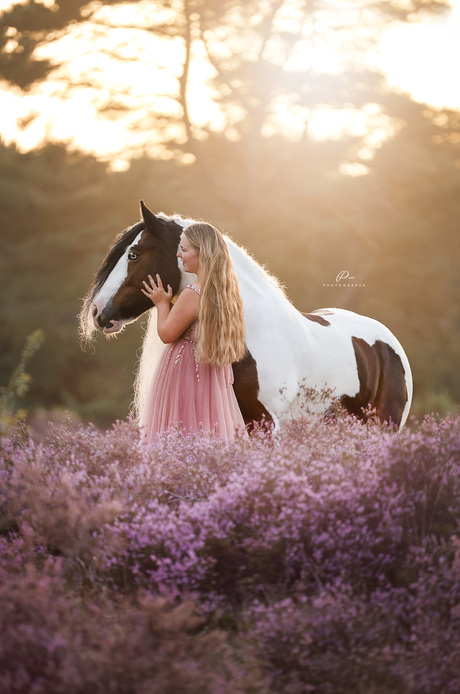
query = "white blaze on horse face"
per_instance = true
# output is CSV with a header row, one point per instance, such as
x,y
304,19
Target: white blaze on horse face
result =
x,y
111,286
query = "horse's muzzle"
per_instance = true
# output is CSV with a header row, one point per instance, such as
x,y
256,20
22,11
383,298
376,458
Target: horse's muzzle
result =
x,y
108,320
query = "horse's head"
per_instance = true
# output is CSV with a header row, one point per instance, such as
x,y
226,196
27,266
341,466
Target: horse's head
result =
x,y
148,247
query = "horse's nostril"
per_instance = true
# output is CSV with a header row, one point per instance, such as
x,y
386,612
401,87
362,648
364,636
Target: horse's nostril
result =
x,y
104,321
94,311
108,316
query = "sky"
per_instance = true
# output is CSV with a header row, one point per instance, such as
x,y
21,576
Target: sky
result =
x,y
422,59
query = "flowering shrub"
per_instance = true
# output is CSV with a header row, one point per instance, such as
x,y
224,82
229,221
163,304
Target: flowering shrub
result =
x,y
326,559
55,640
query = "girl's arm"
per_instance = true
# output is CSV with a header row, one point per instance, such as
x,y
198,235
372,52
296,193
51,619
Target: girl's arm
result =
x,y
173,321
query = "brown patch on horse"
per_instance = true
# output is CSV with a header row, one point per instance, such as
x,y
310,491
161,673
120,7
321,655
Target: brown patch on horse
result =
x,y
154,253
381,380
246,387
157,249
316,318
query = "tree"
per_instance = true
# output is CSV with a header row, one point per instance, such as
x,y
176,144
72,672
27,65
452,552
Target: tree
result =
x,y
268,58
274,67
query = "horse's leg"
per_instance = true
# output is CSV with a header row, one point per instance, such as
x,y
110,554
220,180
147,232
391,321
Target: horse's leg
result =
x,y
246,387
382,383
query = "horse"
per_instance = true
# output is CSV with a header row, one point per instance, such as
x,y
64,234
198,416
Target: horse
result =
x,y
356,360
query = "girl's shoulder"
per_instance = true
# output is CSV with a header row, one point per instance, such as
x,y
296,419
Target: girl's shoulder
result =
x,y
195,287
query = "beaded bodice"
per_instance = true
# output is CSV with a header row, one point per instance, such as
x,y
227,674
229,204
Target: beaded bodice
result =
x,y
188,337
190,333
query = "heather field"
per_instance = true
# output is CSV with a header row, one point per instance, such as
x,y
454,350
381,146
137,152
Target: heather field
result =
x,y
326,561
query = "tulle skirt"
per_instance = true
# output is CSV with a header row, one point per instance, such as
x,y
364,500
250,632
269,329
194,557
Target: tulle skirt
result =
x,y
190,396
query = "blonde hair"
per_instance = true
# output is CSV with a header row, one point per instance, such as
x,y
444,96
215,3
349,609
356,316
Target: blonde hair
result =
x,y
221,332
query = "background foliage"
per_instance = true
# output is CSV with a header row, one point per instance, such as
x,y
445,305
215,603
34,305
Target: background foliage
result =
x,y
285,195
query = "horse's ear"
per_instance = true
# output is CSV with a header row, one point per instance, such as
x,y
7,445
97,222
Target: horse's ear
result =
x,y
152,223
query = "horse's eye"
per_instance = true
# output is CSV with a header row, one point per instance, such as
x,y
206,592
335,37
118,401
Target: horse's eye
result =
x,y
132,255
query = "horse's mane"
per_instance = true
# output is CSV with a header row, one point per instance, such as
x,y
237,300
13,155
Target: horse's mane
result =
x,y
242,257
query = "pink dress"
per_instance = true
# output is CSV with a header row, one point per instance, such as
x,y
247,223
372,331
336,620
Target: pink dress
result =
x,y
188,395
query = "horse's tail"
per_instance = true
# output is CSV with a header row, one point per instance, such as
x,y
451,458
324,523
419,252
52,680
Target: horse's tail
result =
x,y
151,351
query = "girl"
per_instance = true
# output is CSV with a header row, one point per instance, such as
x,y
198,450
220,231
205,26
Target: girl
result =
x,y
192,386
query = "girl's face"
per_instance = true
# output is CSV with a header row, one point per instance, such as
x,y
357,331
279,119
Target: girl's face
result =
x,y
188,255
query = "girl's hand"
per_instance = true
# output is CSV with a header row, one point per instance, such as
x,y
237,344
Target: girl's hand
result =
x,y
155,292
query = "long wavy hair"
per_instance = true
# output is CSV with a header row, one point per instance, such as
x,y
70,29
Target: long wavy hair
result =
x,y
221,331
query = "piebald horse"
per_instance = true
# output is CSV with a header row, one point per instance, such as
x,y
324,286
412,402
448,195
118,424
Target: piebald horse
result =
x,y
356,359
